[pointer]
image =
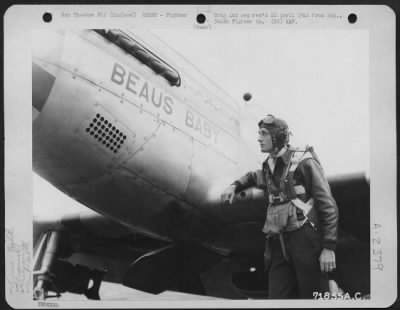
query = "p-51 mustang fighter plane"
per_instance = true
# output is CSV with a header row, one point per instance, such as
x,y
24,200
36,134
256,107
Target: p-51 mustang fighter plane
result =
x,y
130,129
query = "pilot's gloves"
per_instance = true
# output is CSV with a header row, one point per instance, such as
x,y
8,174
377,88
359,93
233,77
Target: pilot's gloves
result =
x,y
228,195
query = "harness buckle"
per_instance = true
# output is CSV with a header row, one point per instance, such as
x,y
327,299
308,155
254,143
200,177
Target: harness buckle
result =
x,y
274,198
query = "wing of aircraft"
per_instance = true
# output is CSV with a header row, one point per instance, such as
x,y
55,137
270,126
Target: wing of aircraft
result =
x,y
127,127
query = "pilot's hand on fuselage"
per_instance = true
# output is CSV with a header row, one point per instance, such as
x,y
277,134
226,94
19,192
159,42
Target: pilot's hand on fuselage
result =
x,y
228,195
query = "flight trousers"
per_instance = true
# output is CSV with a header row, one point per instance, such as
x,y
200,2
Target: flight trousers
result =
x,y
298,276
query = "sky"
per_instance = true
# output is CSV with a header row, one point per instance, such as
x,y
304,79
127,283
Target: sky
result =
x,y
316,80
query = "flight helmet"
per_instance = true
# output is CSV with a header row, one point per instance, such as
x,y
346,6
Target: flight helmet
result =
x,y
278,129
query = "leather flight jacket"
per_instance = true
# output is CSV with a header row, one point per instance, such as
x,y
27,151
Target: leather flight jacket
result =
x,y
298,192
286,212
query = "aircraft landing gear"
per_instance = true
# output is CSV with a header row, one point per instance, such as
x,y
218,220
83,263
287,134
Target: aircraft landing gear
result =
x,y
43,259
53,274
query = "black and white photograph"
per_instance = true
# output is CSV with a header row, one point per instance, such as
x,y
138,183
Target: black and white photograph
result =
x,y
213,156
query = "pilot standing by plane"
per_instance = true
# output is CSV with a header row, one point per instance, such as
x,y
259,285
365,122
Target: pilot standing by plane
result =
x,y
302,217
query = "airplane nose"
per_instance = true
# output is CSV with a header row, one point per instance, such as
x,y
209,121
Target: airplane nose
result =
x,y
42,83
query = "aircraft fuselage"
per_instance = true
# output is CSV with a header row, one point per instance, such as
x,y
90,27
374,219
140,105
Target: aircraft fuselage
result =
x,y
114,134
